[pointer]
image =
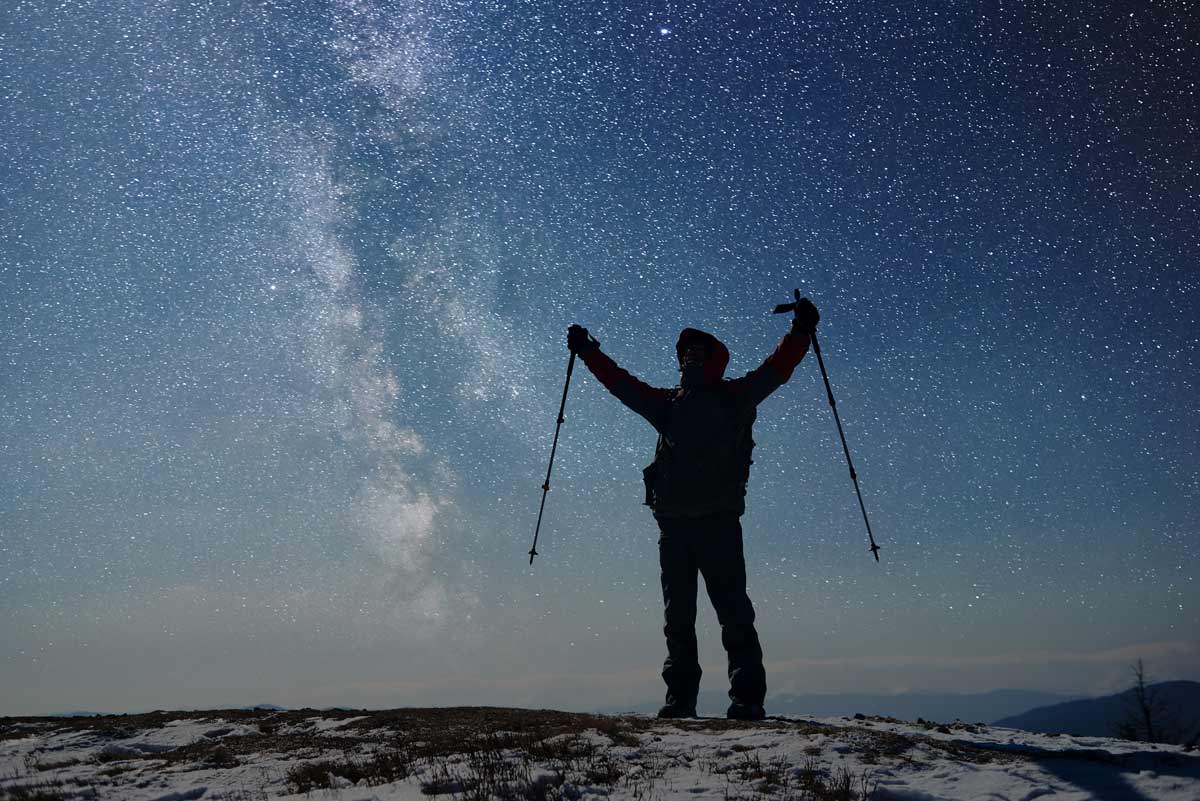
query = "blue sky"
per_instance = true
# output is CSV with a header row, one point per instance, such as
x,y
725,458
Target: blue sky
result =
x,y
285,298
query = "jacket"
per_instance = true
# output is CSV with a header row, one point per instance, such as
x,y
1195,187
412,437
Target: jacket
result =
x,y
703,456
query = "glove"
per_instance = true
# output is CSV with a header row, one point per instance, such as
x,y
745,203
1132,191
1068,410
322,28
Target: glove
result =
x,y
579,341
805,317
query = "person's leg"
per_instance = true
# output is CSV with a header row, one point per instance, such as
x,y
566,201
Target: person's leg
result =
x,y
676,557
723,566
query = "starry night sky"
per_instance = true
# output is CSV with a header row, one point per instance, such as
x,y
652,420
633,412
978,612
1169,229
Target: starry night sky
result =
x,y
284,290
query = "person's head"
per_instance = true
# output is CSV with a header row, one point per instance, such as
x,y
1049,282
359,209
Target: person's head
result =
x,y
697,351
702,357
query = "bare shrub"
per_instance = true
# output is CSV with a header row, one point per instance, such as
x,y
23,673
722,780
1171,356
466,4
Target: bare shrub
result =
x,y
383,767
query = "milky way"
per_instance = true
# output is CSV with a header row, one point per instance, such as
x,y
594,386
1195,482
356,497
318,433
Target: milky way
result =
x,y
285,291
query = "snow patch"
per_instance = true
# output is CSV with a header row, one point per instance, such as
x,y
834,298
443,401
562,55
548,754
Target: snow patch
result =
x,y
187,795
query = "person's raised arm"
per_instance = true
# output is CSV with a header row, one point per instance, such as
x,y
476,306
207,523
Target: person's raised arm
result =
x,y
777,368
650,402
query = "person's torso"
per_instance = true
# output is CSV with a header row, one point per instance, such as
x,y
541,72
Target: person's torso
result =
x,y
703,459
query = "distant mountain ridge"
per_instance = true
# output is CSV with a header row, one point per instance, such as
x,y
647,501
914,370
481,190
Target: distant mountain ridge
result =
x,y
91,714
1099,717
971,708
968,707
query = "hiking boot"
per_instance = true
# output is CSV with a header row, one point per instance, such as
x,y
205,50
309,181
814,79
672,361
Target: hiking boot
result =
x,y
677,709
739,711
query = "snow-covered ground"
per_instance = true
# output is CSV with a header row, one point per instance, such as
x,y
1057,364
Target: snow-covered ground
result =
x,y
457,754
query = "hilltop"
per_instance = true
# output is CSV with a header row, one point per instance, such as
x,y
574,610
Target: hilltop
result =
x,y
471,754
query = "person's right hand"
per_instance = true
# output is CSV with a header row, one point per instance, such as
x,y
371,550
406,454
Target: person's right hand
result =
x,y
579,341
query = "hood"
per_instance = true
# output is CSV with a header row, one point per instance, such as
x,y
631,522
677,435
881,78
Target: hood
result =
x,y
718,360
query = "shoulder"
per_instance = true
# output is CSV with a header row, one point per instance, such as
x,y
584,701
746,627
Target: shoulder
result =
x,y
732,387
736,395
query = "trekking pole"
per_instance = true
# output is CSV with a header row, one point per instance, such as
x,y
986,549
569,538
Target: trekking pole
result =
x,y
546,486
786,307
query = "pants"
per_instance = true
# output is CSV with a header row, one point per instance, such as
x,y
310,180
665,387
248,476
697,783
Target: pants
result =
x,y
712,547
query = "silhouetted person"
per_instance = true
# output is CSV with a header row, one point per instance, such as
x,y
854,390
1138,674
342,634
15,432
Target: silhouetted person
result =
x,y
696,488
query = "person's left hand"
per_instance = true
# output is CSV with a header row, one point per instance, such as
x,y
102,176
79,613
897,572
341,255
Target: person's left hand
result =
x,y
806,316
